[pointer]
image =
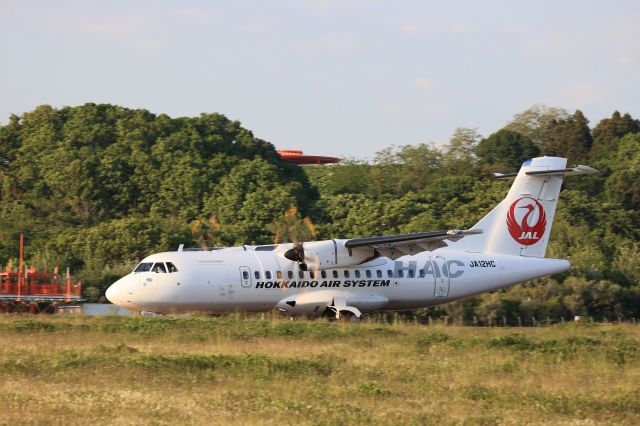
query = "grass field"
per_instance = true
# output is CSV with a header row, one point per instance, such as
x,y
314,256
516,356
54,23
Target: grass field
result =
x,y
237,370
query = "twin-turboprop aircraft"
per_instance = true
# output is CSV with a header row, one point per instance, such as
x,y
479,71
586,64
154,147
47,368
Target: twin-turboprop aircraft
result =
x,y
351,277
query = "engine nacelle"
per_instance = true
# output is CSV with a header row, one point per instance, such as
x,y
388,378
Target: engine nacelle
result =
x,y
330,254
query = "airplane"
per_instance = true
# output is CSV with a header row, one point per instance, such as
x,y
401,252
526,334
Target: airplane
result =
x,y
346,278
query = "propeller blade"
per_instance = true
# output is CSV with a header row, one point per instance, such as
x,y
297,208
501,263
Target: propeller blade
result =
x,y
295,253
292,255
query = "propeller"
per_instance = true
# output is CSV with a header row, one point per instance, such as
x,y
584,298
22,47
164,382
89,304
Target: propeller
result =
x,y
296,254
290,228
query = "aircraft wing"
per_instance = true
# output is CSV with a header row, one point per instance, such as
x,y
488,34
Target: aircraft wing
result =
x,y
394,246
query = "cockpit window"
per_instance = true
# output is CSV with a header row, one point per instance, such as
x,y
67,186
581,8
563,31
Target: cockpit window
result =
x,y
171,267
159,268
143,267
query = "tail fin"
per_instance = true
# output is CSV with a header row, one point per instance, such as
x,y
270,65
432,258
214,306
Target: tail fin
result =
x,y
521,223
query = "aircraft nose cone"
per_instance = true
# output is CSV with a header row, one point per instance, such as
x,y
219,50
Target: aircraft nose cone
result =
x,y
116,293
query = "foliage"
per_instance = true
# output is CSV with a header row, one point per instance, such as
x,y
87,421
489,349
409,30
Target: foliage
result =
x,y
609,130
506,150
98,187
534,122
255,193
569,138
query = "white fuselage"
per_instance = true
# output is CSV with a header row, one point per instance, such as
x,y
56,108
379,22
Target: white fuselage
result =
x,y
246,279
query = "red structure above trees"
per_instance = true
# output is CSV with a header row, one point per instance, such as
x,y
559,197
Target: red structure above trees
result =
x,y
296,156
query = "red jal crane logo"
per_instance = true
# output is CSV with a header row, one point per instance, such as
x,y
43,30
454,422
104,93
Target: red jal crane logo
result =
x,y
526,221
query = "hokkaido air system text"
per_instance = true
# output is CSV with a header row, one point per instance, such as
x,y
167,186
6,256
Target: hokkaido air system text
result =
x,y
327,284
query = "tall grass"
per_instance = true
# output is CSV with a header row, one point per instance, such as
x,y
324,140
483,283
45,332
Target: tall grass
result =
x,y
248,370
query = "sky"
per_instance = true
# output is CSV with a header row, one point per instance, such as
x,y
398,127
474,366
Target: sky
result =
x,y
330,77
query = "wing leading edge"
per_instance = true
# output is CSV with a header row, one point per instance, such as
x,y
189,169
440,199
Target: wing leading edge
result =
x,y
394,246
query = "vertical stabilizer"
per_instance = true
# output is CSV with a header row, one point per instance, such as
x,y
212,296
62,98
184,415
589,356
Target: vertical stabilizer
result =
x,y
521,223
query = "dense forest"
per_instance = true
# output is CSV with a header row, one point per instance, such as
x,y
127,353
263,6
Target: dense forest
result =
x,y
98,187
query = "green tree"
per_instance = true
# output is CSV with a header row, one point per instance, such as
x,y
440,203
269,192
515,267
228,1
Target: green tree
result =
x,y
609,130
73,176
459,155
622,185
505,150
569,138
534,122
251,197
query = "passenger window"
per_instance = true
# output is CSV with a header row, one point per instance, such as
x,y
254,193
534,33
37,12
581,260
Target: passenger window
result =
x,y
143,267
368,273
267,275
400,273
245,275
323,274
290,274
335,273
159,268
379,273
256,274
411,273
279,275
357,273
301,274
389,273
346,273
312,274
421,273
171,267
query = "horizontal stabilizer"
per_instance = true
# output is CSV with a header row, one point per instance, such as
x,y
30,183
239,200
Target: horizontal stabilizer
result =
x,y
576,170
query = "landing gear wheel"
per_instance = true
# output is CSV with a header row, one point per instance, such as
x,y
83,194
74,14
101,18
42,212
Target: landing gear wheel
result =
x,y
348,316
342,313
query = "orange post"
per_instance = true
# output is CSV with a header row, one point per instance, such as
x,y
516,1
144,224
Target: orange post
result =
x,y
68,286
20,270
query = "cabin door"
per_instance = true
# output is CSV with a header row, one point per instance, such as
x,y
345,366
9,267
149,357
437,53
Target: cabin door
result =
x,y
441,274
245,277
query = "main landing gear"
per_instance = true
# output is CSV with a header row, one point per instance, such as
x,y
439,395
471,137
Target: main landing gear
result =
x,y
340,311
